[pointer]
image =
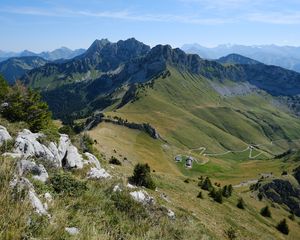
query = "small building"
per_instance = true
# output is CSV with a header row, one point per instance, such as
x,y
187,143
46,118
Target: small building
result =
x,y
189,162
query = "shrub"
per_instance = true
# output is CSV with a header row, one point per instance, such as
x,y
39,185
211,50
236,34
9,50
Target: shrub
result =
x,y
200,195
142,177
283,227
292,216
218,196
66,129
115,161
265,211
231,233
124,203
187,180
206,184
7,146
241,203
225,191
87,143
26,105
66,184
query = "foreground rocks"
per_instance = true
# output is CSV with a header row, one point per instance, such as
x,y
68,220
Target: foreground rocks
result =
x,y
4,135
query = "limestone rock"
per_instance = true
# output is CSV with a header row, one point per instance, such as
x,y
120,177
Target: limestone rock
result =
x,y
36,203
72,230
4,135
142,197
73,158
92,160
96,173
171,214
39,172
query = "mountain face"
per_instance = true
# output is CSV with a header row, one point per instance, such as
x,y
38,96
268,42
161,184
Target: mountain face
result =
x,y
60,53
101,76
286,56
13,68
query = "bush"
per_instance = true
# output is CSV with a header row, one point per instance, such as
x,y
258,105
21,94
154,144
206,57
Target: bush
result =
x,y
115,161
87,143
231,234
7,146
206,184
124,203
283,227
187,180
265,211
142,177
241,203
218,196
227,191
200,195
66,184
26,105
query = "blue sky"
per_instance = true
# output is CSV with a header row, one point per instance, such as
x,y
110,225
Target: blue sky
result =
x,y
40,25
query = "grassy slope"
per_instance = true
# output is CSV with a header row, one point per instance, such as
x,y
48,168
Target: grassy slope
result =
x,y
190,114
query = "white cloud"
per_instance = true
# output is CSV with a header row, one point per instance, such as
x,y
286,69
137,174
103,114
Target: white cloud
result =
x,y
275,17
125,15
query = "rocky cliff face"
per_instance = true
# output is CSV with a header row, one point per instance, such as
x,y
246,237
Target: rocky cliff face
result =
x,y
284,191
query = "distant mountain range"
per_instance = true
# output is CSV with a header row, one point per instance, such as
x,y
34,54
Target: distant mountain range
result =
x,y
96,79
283,56
60,53
14,68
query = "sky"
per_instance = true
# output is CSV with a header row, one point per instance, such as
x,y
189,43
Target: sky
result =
x,y
40,25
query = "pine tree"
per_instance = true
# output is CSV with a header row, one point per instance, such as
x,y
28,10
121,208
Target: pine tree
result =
x,y
218,196
206,184
283,227
141,176
241,203
200,195
265,211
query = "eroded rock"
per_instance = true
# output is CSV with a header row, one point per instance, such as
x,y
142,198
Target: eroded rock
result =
x,y
4,135
96,173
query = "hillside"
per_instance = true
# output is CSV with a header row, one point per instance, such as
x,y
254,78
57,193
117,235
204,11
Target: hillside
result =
x,y
14,68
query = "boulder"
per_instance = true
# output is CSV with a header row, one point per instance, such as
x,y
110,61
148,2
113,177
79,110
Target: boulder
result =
x,y
72,230
142,197
4,135
36,203
72,159
63,154
117,188
92,160
96,173
38,171
171,214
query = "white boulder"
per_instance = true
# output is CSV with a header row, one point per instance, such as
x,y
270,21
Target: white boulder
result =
x,y
92,160
36,203
117,188
171,214
39,172
142,197
96,173
62,155
72,230
4,135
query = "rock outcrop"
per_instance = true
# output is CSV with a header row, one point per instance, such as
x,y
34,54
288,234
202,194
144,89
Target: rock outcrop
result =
x,y
4,135
96,173
63,154
142,197
38,171
284,191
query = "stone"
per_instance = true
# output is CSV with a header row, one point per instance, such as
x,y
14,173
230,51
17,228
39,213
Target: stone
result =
x,y
142,197
4,135
92,159
96,173
117,189
72,230
39,172
73,158
48,197
36,203
171,214
130,186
